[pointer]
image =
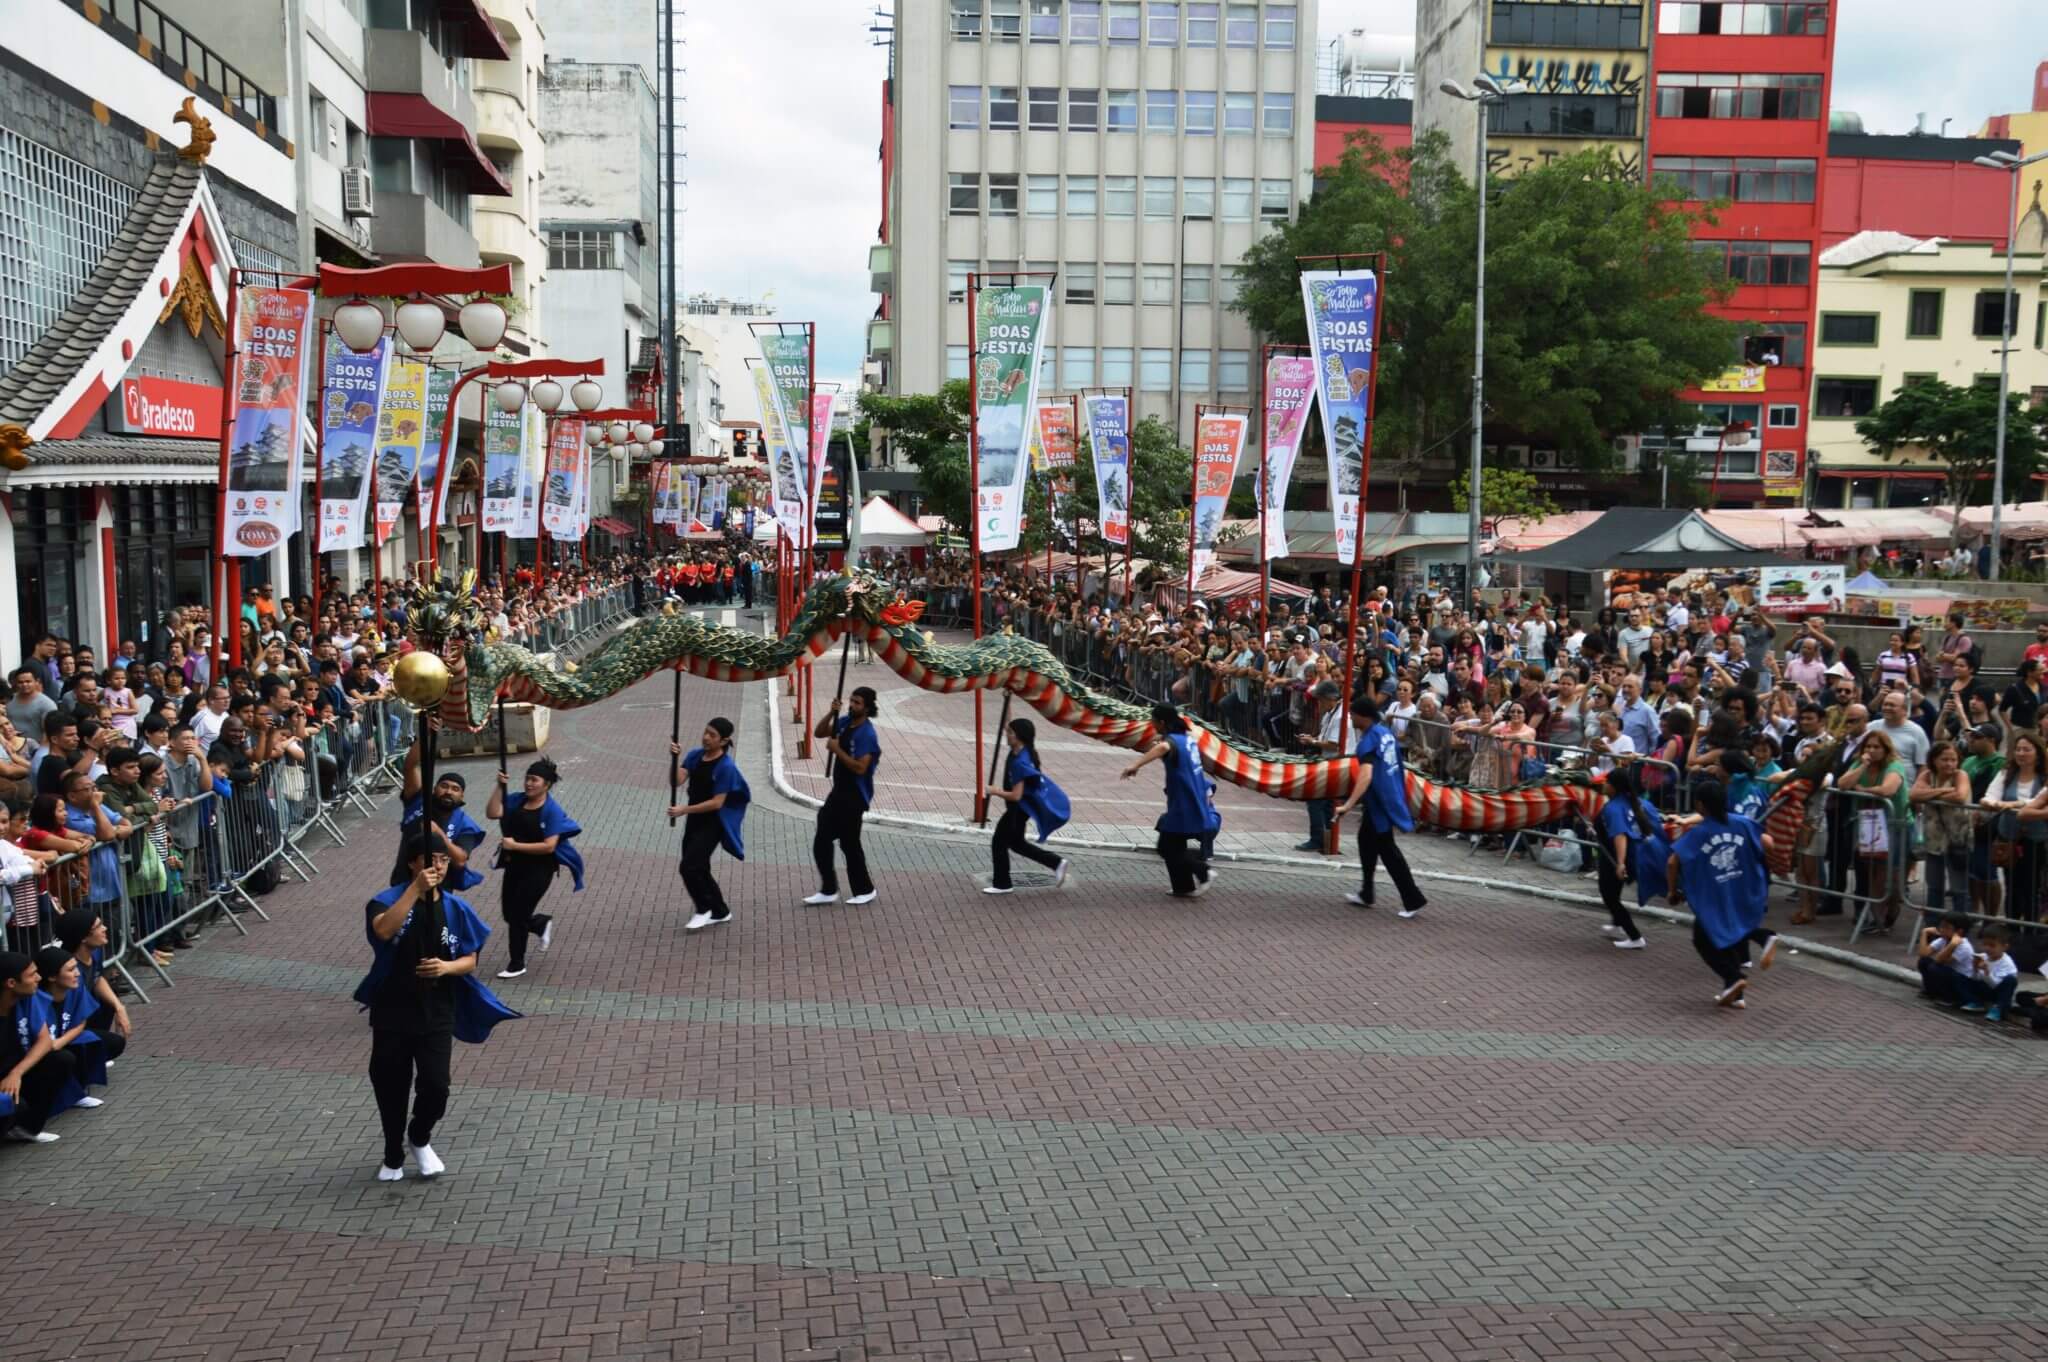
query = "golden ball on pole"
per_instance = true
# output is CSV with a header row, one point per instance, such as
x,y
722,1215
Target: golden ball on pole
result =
x,y
420,678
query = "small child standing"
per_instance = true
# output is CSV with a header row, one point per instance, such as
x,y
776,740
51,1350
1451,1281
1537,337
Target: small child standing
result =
x,y
1995,977
120,703
1947,960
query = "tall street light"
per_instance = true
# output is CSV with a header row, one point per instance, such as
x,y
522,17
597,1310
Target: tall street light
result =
x,y
1487,91
2012,165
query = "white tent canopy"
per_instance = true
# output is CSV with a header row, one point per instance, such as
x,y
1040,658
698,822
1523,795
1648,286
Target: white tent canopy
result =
x,y
882,526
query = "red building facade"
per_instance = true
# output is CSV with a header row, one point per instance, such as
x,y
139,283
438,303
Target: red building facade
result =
x,y
1391,120
1920,186
1739,111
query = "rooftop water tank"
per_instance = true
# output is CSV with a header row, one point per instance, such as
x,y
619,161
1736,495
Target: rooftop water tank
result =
x,y
1842,120
1375,54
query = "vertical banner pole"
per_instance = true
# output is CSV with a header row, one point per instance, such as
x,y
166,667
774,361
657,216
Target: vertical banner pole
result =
x,y
1194,487
319,460
675,735
224,616
974,514
813,474
1074,504
1265,492
1364,482
503,737
995,755
840,694
1130,521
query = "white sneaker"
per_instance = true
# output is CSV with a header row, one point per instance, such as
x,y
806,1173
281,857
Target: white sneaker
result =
x,y
547,935
390,1174
1201,888
815,899
20,1136
510,973
1059,874
1625,944
860,899
1416,911
700,922
429,1162
997,889
1613,933
88,1103
1357,900
1731,996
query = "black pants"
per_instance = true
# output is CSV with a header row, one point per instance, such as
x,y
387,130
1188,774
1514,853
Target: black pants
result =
x,y
1376,848
525,887
839,821
1724,961
1183,867
700,839
1011,835
402,1063
39,1088
1611,885
94,1055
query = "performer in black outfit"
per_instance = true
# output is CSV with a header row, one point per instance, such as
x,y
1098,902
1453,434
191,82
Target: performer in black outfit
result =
x,y
537,841
852,749
714,806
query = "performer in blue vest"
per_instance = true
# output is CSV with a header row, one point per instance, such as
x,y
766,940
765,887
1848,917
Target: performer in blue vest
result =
x,y
423,995
72,1011
537,839
1190,813
1382,785
715,799
1632,847
851,749
1720,865
457,834
1031,798
33,1071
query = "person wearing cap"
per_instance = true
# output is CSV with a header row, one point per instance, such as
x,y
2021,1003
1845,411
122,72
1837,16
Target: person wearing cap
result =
x,y
1381,782
536,838
458,834
1324,740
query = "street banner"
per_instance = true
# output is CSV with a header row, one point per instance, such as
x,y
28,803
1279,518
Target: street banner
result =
x,y
657,494
1341,318
1109,432
1219,440
1036,445
788,357
1055,432
685,498
401,432
440,382
1009,328
580,529
350,425
782,466
558,501
823,418
533,457
830,525
1290,388
504,441
273,347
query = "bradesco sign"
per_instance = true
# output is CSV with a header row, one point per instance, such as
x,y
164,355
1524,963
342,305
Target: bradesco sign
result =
x,y
166,406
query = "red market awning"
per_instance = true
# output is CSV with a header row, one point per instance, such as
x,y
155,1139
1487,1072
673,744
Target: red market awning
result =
x,y
404,115
611,525
480,39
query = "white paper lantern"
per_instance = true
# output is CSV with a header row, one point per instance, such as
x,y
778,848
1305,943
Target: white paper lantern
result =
x,y
483,323
586,393
360,324
422,324
547,395
511,396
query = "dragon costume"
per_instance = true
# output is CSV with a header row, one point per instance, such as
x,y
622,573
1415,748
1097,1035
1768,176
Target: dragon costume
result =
x,y
452,623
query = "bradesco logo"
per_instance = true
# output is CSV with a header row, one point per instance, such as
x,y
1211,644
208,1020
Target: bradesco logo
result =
x,y
167,406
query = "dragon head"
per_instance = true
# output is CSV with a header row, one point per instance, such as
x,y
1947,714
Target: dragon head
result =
x,y
857,596
444,613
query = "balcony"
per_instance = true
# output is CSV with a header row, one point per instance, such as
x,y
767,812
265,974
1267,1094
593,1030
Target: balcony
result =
x,y
501,121
414,227
180,55
502,232
881,337
881,267
403,62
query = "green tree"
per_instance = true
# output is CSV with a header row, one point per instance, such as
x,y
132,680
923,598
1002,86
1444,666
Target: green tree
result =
x,y
1595,306
1505,492
1160,479
1958,427
930,430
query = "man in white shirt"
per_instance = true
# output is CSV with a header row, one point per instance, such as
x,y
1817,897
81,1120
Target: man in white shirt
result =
x,y
1535,629
1909,740
1634,636
207,720
1610,742
1677,618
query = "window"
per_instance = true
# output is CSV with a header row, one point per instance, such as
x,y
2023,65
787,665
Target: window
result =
x,y
1558,25
1915,380
1159,197
1077,366
1194,370
1746,179
1240,112
1772,18
1044,108
1157,284
1233,283
1048,369
963,107
1162,23
1082,108
1848,328
1990,315
1080,282
1002,108
1162,111
1155,370
1080,196
1277,115
1785,417
1002,196
1273,200
956,279
1005,20
1836,398
1045,21
2040,325
1241,26
1728,95
581,248
956,361
1042,196
1280,26
1987,382
1123,23
1201,118
1116,366
1201,24
1119,284
1084,22
1763,262
1234,371
1781,343
1923,314
1119,196
1563,115
1123,111
1197,284
966,18
963,195
1237,200
1198,198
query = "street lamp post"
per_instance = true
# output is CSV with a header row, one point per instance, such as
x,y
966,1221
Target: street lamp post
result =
x,y
1486,91
2012,165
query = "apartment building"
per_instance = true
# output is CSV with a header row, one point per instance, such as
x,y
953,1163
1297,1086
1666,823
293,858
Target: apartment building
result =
x,y
1130,151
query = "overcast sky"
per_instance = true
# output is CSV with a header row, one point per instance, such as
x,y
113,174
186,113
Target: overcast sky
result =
x,y
784,121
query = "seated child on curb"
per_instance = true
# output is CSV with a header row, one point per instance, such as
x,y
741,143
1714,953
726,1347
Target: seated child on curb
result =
x,y
1995,977
1946,958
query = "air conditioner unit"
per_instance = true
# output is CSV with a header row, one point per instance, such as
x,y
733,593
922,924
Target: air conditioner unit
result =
x,y
357,198
1543,458
1628,452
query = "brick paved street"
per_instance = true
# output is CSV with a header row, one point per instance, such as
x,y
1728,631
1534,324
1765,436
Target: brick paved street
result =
x,y
1094,1123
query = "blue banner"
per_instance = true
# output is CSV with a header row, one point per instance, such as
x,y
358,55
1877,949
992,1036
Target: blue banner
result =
x,y
353,394
1109,435
1341,320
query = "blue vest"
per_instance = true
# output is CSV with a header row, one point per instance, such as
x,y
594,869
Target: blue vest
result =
x,y
861,742
554,822
1045,802
727,780
1386,799
1721,866
462,830
477,1009
1189,812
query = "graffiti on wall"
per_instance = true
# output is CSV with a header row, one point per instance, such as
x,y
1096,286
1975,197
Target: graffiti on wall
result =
x,y
1505,160
1526,73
